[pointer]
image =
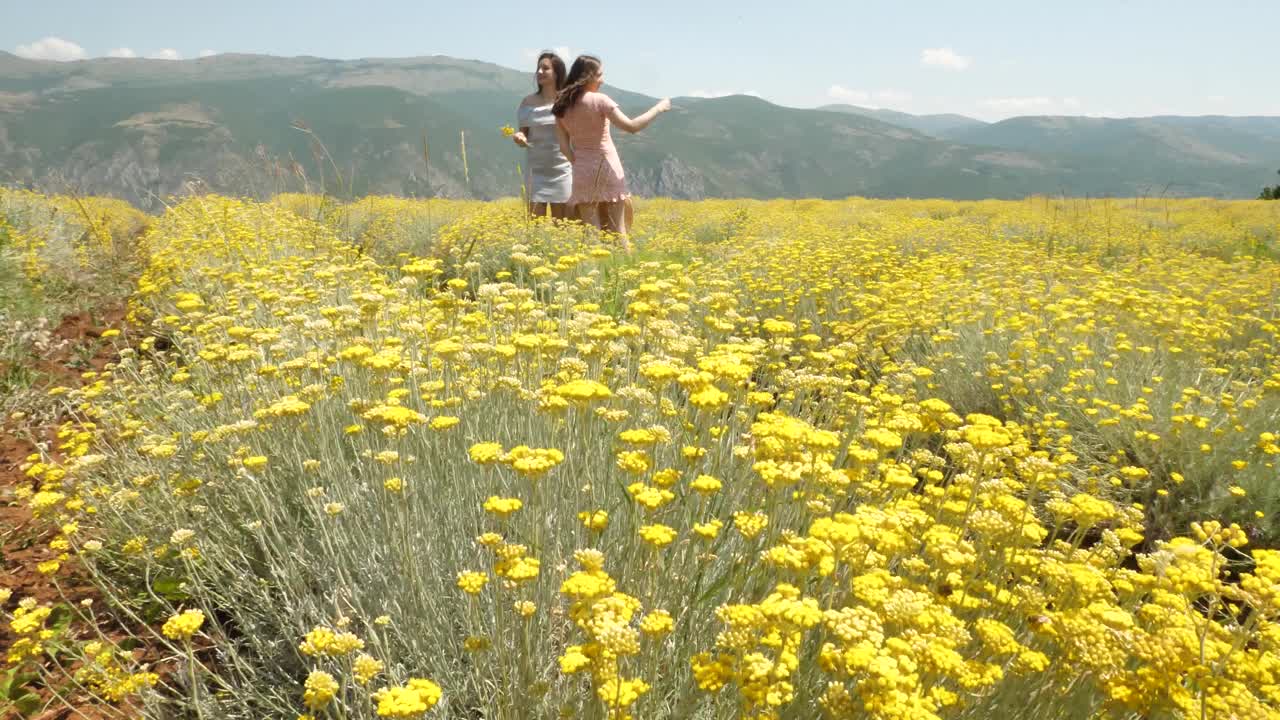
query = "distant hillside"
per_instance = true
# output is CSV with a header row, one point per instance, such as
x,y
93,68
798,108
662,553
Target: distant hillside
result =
x,y
145,129
940,126
1190,155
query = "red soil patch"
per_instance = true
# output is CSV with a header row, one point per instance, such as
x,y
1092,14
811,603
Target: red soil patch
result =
x,y
23,539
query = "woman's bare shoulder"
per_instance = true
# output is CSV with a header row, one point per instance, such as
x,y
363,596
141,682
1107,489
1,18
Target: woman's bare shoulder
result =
x,y
532,100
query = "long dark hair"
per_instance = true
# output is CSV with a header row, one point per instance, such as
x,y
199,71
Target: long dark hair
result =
x,y
584,69
557,67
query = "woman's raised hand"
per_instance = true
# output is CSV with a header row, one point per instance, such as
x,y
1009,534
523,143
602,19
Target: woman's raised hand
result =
x,y
520,139
663,105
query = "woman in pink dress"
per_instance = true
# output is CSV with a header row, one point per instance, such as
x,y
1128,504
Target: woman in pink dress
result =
x,y
584,114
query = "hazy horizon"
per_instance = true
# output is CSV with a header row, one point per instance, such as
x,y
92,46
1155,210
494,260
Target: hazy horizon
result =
x,y
833,103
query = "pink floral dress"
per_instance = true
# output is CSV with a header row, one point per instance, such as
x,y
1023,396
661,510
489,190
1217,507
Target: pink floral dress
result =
x,y
597,169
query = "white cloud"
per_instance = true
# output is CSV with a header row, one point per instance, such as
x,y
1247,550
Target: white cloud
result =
x,y
122,52
51,48
945,58
875,99
166,54
207,53
721,93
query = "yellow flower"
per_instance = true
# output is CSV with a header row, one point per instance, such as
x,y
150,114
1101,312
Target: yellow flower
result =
x,y
657,535
639,436
396,416
574,660
596,520
387,457
750,524
635,462
708,530
619,693
472,582
322,641
650,498
443,422
705,485
485,453
532,462
29,619
583,391
666,478
183,625
502,507
407,701
365,668
318,690
709,398
656,622
519,570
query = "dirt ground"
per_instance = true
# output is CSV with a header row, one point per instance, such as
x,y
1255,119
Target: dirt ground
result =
x,y
23,540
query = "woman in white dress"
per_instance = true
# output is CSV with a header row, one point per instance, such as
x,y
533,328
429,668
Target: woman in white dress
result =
x,y
548,175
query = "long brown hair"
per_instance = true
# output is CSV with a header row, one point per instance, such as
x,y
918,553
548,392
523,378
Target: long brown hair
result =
x,y
584,69
557,67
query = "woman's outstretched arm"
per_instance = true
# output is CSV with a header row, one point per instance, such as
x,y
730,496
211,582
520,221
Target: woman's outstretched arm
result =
x,y
620,119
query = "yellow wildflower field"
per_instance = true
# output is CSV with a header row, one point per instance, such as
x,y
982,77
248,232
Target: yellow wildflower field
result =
x,y
790,459
61,237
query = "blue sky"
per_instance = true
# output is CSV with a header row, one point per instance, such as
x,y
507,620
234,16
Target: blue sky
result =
x,y
986,59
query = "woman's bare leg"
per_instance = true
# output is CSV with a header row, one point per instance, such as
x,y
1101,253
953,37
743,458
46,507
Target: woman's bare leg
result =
x,y
589,213
559,211
613,218
537,209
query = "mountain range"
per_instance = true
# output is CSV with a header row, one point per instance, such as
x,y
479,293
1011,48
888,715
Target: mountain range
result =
x,y
254,124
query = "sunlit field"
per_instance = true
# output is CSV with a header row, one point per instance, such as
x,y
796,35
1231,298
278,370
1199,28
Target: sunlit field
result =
x,y
58,256
789,459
